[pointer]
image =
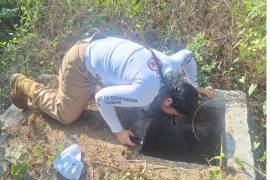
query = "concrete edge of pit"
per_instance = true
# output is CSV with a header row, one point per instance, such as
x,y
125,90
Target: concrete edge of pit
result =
x,y
237,141
169,163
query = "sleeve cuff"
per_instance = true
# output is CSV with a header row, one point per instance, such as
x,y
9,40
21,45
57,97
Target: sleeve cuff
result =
x,y
117,129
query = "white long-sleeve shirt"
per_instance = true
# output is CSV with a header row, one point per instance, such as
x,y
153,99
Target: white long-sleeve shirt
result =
x,y
128,72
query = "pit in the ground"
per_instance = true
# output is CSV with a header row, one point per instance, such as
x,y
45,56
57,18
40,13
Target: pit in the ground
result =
x,y
178,142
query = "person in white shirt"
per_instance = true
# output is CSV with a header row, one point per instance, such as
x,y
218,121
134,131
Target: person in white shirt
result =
x,y
130,74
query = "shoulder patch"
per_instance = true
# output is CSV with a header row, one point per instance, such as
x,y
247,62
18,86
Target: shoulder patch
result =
x,y
153,65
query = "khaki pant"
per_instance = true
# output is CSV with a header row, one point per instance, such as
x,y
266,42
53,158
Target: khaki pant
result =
x,y
76,87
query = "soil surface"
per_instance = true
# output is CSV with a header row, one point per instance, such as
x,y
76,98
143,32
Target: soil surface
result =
x,y
102,154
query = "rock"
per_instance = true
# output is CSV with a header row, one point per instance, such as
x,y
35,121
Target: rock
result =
x,y
4,168
3,138
13,116
2,123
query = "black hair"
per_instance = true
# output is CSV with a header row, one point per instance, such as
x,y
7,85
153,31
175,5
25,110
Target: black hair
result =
x,y
184,96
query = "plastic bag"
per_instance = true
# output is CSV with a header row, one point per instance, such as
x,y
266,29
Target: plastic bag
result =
x,y
68,163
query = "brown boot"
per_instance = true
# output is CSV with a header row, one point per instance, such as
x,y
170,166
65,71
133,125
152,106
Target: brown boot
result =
x,y
22,90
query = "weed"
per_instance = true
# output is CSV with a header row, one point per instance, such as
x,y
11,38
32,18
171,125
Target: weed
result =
x,y
107,175
206,67
215,174
239,163
125,175
39,151
18,170
59,148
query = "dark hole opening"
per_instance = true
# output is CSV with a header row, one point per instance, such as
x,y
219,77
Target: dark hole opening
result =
x,y
177,142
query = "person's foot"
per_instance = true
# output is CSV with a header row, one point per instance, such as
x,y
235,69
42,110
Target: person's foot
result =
x,y
22,89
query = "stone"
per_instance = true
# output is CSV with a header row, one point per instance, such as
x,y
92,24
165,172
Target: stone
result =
x,y
13,116
3,138
4,168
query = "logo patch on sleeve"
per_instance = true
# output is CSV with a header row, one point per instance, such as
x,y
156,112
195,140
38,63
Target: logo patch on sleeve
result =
x,y
153,65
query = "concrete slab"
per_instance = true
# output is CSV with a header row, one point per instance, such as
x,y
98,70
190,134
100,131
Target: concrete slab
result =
x,y
237,141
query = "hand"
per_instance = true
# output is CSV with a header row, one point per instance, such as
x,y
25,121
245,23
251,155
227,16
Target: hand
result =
x,y
209,92
123,137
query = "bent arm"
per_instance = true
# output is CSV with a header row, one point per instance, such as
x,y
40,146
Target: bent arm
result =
x,y
134,95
